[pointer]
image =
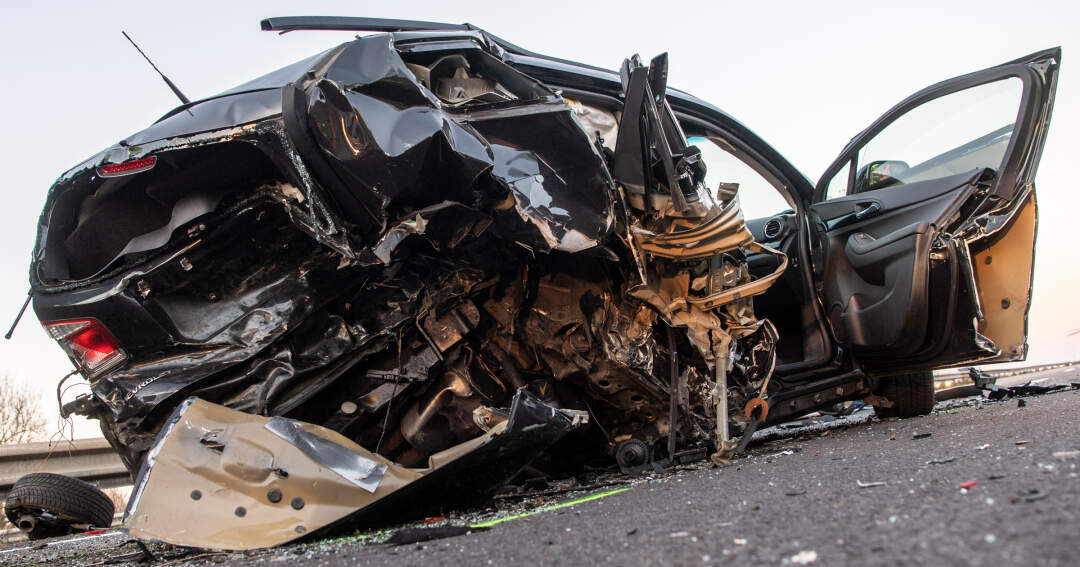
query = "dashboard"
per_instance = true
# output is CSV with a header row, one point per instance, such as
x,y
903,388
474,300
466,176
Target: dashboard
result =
x,y
772,230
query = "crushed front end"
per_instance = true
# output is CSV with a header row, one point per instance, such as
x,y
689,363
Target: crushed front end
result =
x,y
393,250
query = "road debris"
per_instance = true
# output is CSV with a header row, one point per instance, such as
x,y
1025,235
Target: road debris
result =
x,y
1023,442
406,536
862,484
804,557
1029,495
1063,455
969,485
921,435
941,461
982,447
987,382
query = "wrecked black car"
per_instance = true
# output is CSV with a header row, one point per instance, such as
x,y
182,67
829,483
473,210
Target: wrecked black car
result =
x,y
384,279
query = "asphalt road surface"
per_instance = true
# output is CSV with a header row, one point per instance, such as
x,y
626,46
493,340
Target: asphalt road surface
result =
x,y
850,492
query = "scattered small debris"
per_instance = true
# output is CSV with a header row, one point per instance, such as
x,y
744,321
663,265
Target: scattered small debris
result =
x,y
921,435
795,493
989,538
985,381
1020,402
1029,495
1066,454
982,447
680,534
406,536
941,461
862,484
969,484
631,532
995,477
1023,442
804,557
740,541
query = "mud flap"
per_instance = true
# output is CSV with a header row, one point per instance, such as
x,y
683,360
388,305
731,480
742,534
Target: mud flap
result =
x,y
223,479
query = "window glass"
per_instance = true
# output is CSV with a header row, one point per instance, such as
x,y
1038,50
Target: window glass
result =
x,y
838,186
758,198
953,134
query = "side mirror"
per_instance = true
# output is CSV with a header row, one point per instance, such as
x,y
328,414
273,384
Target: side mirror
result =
x,y
878,175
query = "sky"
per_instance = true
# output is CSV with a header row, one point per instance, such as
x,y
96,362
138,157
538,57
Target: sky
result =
x,y
805,76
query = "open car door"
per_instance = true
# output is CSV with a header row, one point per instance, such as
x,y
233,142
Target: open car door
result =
x,y
923,229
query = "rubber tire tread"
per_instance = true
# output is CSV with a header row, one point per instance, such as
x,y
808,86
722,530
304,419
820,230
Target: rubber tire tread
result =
x,y
62,495
912,394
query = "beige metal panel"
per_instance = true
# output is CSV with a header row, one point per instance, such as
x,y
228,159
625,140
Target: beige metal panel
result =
x,y
1003,272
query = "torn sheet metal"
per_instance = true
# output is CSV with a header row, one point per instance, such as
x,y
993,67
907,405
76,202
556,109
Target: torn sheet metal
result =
x,y
351,465
222,479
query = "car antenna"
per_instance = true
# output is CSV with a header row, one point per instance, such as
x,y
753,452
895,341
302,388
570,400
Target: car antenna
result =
x,y
11,331
175,90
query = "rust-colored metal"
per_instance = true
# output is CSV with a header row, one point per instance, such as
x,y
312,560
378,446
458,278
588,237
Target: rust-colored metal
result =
x,y
753,405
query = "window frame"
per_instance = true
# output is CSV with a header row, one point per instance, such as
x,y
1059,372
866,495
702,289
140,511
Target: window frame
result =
x,y
1023,132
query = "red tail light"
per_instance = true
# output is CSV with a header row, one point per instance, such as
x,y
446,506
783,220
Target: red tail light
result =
x,y
128,167
89,344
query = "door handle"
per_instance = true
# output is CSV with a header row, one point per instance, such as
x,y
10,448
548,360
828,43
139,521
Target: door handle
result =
x,y
869,209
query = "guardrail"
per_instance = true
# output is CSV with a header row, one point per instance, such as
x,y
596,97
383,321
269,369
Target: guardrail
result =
x,y
1004,372
953,380
92,460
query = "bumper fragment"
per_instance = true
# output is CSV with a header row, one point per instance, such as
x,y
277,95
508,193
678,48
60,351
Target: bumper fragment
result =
x,y
224,479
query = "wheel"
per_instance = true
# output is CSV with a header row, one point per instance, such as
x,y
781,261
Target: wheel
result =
x,y
912,394
47,505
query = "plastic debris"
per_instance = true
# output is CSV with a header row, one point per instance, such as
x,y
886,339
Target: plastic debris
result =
x,y
920,435
982,447
969,484
1023,442
862,484
1029,495
804,557
941,461
1066,454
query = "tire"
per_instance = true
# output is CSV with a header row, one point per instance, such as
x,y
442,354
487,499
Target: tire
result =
x,y
70,500
912,394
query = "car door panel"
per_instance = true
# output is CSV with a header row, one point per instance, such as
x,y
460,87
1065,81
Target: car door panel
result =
x,y
878,269
928,272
